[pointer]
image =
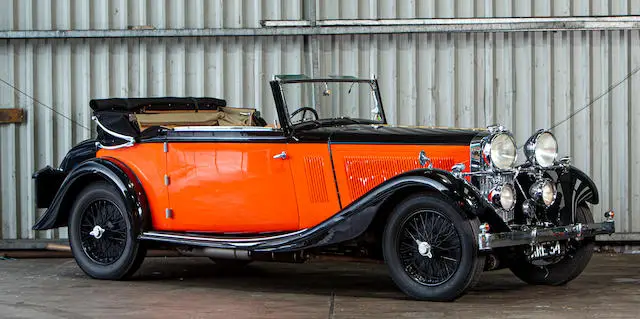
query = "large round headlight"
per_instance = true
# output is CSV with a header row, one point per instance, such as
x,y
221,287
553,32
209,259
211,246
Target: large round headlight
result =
x,y
542,149
501,151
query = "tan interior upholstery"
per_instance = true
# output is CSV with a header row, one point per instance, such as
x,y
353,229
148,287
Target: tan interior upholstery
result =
x,y
226,116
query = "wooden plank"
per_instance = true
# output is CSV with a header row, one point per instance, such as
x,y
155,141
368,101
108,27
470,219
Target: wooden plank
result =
x,y
11,116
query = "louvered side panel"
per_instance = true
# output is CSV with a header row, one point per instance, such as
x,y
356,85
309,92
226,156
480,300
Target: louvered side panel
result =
x,y
316,184
366,172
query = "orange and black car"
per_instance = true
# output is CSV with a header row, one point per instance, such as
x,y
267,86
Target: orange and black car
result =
x,y
437,205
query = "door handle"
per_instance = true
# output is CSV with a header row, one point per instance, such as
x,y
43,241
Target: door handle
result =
x,y
282,155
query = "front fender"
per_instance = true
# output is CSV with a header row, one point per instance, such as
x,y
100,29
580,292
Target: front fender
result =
x,y
95,169
356,218
577,189
579,185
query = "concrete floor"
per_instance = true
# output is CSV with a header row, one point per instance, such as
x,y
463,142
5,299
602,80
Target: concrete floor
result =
x,y
195,288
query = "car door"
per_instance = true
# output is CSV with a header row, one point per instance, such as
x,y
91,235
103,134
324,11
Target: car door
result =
x,y
230,182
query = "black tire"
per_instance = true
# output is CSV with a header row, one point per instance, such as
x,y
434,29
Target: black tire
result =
x,y
566,269
117,253
429,273
230,263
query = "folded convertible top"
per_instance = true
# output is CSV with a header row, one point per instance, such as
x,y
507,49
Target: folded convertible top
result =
x,y
159,103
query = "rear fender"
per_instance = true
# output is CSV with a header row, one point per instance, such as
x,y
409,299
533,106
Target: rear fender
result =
x,y
97,169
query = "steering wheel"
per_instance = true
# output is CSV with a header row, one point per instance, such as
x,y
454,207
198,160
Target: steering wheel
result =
x,y
304,110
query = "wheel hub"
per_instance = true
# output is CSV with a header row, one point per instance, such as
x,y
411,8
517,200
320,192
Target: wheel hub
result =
x,y
97,232
424,249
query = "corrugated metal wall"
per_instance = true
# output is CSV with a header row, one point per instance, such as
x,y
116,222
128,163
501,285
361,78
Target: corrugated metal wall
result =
x,y
523,80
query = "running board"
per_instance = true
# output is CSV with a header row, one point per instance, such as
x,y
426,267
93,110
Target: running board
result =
x,y
246,243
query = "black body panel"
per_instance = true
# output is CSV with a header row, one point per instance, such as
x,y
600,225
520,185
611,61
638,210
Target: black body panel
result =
x,y
160,103
375,134
81,152
112,171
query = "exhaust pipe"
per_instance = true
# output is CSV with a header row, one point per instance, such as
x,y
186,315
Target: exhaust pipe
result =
x,y
217,253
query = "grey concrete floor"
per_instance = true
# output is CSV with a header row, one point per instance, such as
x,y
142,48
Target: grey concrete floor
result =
x,y
195,288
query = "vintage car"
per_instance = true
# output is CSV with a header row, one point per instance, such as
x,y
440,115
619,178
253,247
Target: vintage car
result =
x,y
436,205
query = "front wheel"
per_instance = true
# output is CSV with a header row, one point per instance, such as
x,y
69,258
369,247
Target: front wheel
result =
x,y
431,249
103,240
556,272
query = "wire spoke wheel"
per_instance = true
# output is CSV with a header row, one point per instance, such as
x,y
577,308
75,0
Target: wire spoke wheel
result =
x,y
429,247
103,232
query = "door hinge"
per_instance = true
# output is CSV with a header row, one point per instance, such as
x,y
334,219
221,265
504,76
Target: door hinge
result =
x,y
166,180
166,147
168,213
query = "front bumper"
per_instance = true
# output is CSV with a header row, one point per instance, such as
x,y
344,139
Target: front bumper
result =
x,y
488,241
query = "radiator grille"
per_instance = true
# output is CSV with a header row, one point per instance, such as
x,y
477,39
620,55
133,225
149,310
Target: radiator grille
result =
x,y
366,172
316,185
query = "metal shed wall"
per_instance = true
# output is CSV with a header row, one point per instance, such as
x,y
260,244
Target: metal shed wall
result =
x,y
523,80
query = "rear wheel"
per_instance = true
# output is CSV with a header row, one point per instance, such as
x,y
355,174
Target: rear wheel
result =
x,y
567,268
431,250
101,234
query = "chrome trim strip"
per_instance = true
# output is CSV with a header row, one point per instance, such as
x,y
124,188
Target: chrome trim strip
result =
x,y
186,238
488,241
225,129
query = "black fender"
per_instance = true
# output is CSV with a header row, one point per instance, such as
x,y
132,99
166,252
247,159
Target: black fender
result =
x,y
582,187
577,189
96,169
353,220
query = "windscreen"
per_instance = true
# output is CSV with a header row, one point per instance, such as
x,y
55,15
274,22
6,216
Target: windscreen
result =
x,y
309,101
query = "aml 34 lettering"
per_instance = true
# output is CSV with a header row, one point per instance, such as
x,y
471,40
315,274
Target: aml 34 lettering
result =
x,y
546,250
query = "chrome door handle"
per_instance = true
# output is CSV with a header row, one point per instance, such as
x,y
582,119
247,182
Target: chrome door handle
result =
x,y
282,155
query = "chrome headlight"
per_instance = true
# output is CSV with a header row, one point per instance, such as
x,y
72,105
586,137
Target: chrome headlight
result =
x,y
500,151
503,196
544,192
542,149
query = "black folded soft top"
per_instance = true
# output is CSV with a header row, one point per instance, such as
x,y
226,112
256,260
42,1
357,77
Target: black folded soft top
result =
x,y
156,103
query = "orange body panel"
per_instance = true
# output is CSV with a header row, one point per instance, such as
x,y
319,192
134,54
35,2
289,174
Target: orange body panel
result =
x,y
359,168
230,187
315,186
147,161
240,187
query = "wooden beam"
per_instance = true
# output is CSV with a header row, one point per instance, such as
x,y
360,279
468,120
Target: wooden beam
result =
x,y
11,116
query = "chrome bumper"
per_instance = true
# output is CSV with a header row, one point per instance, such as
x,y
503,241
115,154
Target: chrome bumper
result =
x,y
488,241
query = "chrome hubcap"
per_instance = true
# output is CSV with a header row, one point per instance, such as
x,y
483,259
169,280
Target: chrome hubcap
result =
x,y
424,249
97,232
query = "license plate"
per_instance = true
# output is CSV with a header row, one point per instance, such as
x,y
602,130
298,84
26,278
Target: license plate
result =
x,y
543,250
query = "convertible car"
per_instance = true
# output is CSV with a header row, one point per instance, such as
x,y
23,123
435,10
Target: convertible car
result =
x,y
437,205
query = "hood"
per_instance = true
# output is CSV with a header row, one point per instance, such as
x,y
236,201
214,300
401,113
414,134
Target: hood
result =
x,y
385,134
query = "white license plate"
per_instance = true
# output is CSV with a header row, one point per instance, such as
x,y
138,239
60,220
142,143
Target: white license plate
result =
x,y
543,250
